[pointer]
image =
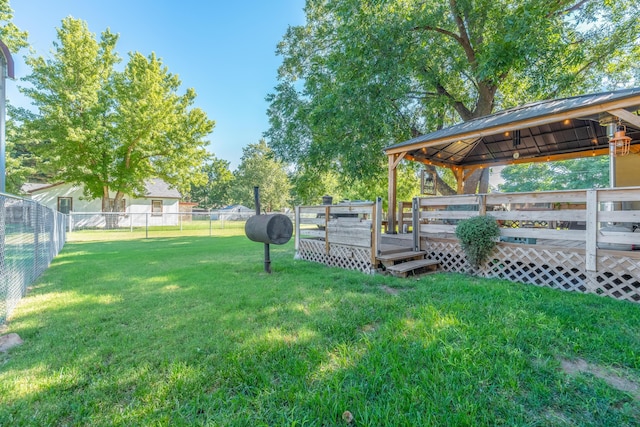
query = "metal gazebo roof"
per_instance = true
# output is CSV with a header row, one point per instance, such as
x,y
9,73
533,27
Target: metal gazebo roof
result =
x,y
547,130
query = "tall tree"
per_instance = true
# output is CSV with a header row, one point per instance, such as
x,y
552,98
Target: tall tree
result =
x,y
361,75
259,168
12,36
111,131
214,193
21,162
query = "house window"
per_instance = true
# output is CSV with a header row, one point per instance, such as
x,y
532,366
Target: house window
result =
x,y
65,204
122,205
156,207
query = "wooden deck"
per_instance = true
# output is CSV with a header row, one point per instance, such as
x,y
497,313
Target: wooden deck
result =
x,y
559,239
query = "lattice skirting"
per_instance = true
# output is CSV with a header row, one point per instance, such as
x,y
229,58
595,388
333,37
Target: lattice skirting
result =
x,y
347,257
561,268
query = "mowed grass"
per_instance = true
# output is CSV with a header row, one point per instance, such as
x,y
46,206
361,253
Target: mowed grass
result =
x,y
190,331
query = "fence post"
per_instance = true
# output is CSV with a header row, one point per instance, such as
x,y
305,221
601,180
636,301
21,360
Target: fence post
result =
x,y
4,287
591,234
297,236
327,214
36,239
146,225
482,204
378,224
415,223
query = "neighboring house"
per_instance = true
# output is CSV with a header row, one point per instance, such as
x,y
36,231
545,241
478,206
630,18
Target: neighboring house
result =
x,y
159,206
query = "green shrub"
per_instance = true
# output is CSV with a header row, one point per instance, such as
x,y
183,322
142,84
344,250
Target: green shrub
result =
x,y
477,236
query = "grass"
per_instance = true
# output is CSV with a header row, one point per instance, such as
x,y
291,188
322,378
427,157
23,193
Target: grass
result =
x,y
191,331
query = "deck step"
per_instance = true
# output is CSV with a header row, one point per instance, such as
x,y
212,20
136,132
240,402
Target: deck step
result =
x,y
394,256
387,249
418,266
406,255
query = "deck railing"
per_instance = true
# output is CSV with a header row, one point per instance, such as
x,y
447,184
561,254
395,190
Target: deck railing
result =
x,y
339,235
592,219
584,240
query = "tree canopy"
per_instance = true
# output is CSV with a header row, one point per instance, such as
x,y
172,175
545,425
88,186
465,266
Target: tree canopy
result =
x,y
12,36
215,192
577,174
112,130
359,76
259,168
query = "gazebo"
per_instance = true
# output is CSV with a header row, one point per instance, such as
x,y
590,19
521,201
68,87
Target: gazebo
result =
x,y
558,129
575,240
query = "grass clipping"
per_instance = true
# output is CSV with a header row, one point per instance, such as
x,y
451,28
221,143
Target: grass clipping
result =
x,y
478,236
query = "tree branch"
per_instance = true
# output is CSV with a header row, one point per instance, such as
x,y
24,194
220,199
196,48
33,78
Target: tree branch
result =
x,y
462,109
570,9
464,35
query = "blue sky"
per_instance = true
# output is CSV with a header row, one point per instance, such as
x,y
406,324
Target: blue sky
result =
x,y
224,49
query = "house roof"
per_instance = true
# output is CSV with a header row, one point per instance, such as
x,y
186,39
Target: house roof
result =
x,y
30,187
155,187
158,188
553,129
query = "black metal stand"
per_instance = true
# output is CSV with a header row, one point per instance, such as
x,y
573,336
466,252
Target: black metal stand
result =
x,y
267,255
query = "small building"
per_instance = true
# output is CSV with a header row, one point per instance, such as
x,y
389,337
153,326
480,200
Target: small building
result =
x,y
232,213
160,204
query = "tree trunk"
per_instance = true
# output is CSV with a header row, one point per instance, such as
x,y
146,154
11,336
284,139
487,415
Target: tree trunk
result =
x,y
441,187
478,181
471,182
483,186
110,219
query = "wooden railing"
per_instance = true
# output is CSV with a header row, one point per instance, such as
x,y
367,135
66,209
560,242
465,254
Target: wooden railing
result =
x,y
344,235
599,219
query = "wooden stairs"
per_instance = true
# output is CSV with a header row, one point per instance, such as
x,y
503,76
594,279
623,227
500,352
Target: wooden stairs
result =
x,y
401,261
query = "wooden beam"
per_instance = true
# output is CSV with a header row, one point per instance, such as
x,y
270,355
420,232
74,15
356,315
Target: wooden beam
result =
x,y
591,260
600,151
396,162
460,178
522,124
392,199
626,116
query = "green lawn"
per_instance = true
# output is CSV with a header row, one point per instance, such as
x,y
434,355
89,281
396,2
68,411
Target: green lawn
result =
x,y
190,331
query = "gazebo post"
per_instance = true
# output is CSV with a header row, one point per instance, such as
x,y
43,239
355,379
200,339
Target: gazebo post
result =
x,y
392,200
394,161
460,175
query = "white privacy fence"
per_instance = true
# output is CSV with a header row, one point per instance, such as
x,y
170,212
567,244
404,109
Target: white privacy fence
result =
x,y
30,236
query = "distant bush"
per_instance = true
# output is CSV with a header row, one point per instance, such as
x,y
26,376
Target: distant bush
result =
x,y
478,236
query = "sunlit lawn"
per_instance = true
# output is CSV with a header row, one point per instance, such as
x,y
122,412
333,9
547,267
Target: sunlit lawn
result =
x,y
191,331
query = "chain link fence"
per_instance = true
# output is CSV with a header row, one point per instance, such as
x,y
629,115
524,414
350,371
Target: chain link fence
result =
x,y
127,225
30,236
